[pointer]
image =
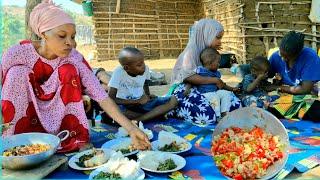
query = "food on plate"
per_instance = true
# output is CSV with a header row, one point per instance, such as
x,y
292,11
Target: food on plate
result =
x,y
23,150
124,133
106,175
243,154
124,149
170,142
119,167
174,147
123,145
96,158
168,164
160,162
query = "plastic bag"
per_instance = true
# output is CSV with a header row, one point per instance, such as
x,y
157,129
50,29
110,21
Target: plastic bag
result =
x,y
315,11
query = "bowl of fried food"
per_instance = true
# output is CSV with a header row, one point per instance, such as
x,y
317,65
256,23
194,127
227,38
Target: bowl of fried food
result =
x,y
27,150
250,143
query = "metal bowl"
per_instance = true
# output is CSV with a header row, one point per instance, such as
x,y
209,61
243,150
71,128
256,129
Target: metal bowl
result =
x,y
28,161
250,117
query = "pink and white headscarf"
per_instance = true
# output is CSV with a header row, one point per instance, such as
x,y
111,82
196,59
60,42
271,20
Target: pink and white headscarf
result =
x,y
46,16
205,31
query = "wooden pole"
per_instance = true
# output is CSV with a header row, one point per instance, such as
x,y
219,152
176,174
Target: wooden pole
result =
x,y
176,21
158,31
109,32
244,47
275,41
118,6
314,38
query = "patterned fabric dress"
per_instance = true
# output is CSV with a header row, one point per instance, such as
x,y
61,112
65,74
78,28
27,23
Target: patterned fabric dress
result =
x,y
195,108
40,95
258,97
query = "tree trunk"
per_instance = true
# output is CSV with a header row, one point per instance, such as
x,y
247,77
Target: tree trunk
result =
x,y
29,6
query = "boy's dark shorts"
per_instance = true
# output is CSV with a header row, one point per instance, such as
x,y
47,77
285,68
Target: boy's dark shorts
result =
x,y
157,101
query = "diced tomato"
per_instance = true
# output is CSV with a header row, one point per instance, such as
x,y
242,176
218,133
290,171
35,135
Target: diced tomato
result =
x,y
221,149
272,144
251,156
265,165
214,148
236,129
227,163
279,154
221,141
256,168
261,153
257,132
224,135
238,177
239,150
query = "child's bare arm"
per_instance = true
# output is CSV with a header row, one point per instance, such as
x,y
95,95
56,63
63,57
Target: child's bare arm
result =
x,y
112,94
229,88
146,87
255,83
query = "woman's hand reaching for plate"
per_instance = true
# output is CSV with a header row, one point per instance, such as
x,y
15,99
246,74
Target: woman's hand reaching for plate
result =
x,y
140,140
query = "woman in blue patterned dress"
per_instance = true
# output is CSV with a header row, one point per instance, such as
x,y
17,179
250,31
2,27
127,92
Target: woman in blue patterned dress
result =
x,y
194,107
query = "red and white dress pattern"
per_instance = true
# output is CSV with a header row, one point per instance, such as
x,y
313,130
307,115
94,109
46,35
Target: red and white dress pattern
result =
x,y
40,95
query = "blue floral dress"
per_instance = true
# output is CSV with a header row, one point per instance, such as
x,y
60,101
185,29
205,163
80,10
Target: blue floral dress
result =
x,y
258,97
195,108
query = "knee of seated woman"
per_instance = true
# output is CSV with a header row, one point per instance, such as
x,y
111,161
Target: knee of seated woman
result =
x,y
224,92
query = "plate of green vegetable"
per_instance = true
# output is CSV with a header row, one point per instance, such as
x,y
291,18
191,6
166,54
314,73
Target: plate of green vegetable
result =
x,y
161,162
122,145
90,159
174,147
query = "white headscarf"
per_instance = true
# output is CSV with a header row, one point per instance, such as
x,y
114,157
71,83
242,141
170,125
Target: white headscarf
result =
x,y
205,31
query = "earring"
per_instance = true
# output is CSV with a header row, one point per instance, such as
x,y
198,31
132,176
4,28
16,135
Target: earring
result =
x,y
43,42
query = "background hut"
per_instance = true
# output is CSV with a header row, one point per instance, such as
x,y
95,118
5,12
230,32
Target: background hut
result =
x,y
160,28
252,27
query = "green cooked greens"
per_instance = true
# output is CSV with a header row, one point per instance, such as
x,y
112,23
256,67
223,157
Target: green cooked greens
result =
x,y
125,151
105,175
173,147
84,158
167,165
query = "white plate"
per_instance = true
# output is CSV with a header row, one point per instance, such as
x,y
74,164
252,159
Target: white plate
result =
x,y
119,143
155,146
72,161
140,175
154,157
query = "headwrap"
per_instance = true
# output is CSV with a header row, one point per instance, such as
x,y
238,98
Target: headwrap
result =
x,y
46,16
205,31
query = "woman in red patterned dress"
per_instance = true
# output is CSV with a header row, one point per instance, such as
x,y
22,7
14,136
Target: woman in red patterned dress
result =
x,y
42,83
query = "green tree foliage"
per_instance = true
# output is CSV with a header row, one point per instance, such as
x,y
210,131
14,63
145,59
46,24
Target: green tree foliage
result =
x,y
13,30
13,25
80,19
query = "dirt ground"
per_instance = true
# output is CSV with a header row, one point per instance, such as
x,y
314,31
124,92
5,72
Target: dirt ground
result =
x,y
166,66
